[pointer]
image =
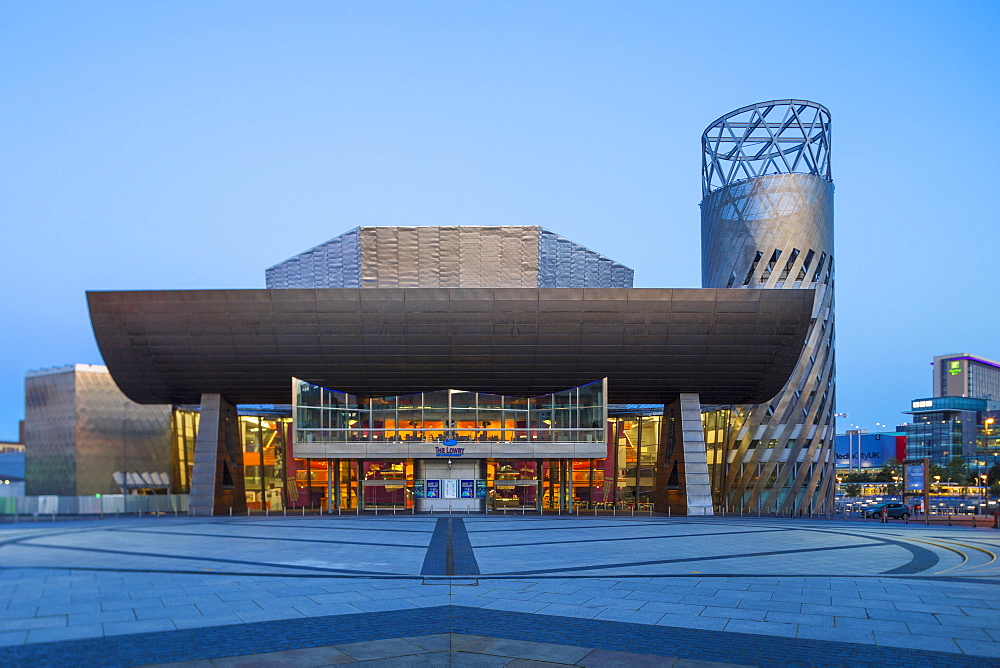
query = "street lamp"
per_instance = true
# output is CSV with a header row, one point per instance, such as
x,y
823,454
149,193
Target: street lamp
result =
x,y
987,423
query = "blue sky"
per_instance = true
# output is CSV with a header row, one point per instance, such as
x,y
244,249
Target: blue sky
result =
x,y
172,145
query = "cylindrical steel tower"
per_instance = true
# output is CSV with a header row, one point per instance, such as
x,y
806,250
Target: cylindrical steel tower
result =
x,y
767,222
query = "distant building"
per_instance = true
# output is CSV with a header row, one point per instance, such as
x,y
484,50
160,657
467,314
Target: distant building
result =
x,y
860,451
948,427
960,420
79,429
964,375
12,468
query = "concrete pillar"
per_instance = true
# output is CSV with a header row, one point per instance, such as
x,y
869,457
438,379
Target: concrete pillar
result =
x,y
217,482
682,482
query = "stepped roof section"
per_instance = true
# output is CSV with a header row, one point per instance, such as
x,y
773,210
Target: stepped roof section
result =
x,y
468,256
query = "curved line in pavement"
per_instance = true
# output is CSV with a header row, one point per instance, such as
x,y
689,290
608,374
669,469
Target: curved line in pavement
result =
x,y
211,559
686,560
921,560
255,538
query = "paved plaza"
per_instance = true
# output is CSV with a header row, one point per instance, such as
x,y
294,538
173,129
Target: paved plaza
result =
x,y
494,591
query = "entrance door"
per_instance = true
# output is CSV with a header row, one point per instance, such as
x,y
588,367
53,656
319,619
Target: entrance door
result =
x,y
452,493
519,494
386,494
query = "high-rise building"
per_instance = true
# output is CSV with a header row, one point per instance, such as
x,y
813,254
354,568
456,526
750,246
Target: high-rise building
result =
x,y
961,418
767,223
964,375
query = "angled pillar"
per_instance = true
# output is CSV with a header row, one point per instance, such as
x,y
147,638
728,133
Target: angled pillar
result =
x,y
682,484
217,476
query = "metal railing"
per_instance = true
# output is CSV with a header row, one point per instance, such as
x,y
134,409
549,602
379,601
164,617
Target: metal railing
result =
x,y
105,504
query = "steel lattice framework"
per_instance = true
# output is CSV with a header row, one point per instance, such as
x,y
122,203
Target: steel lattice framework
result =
x,y
777,137
767,223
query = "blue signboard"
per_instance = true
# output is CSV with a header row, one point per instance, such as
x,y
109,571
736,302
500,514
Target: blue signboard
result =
x,y
418,489
468,489
433,490
480,489
914,477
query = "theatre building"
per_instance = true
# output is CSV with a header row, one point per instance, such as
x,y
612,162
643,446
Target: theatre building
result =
x,y
449,368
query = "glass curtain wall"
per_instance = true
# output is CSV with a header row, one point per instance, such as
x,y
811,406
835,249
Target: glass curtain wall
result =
x,y
266,470
571,416
627,477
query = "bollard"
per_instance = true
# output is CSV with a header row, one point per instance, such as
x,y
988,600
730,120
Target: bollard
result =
x,y
267,511
668,511
523,508
505,511
284,511
650,510
633,511
303,511
230,511
614,510
248,511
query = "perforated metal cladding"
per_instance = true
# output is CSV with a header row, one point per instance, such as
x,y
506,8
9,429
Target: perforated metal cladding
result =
x,y
333,264
449,257
509,256
566,264
776,231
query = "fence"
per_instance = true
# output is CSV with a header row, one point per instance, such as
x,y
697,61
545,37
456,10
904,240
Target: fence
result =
x,y
106,504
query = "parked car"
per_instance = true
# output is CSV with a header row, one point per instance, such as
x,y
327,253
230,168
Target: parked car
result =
x,y
893,509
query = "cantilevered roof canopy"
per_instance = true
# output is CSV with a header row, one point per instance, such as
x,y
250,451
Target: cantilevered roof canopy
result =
x,y
731,346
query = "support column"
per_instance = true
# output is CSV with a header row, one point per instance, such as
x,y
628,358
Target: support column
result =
x,y
682,482
217,482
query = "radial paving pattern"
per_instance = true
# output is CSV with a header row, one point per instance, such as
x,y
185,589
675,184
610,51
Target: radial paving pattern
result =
x,y
687,587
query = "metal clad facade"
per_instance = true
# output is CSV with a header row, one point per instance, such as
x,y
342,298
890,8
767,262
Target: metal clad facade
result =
x,y
456,256
334,264
767,222
79,427
651,344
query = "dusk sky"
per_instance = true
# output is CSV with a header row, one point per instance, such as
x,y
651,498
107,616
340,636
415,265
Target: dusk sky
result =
x,y
184,145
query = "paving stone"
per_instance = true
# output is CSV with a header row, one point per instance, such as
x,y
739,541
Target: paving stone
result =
x,y
538,651
438,642
603,658
379,649
137,626
631,616
13,637
734,613
692,622
313,656
57,633
818,632
762,628
979,647
20,623
461,642
834,610
911,641
466,660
